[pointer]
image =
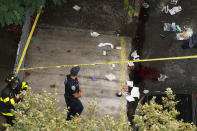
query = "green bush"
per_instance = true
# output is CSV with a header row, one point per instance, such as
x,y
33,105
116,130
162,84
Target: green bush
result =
x,y
40,112
13,11
161,117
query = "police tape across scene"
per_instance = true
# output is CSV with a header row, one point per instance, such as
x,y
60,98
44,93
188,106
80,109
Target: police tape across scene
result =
x,y
118,62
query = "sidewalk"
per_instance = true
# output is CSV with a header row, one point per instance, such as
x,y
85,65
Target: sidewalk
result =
x,y
55,45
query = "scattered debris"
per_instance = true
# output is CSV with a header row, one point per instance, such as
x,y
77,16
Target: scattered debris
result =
x,y
68,51
104,52
146,91
118,47
172,11
145,5
113,65
172,27
119,94
52,86
94,34
175,10
105,44
129,98
163,36
76,7
174,2
27,74
130,83
135,55
162,77
94,78
184,35
110,77
135,92
130,64
165,9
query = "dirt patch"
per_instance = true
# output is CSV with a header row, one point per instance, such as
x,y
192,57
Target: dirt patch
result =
x,y
94,14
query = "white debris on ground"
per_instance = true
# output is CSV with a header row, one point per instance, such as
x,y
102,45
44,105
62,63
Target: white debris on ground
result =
x,y
118,47
113,65
172,11
185,35
130,83
162,77
130,64
110,77
175,10
172,27
106,44
134,55
134,93
76,7
174,2
146,91
104,52
94,34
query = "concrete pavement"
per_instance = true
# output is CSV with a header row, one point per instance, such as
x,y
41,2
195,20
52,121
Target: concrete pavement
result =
x,y
55,45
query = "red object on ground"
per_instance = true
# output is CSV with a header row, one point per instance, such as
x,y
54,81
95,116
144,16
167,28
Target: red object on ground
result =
x,y
68,51
52,86
131,67
27,74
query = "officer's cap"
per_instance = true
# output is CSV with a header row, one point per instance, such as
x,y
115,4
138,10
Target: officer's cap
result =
x,y
74,71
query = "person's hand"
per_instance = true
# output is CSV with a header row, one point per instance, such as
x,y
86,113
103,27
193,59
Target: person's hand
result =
x,y
17,96
81,94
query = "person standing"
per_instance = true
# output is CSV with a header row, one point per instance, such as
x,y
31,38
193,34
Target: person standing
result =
x,y
8,98
72,93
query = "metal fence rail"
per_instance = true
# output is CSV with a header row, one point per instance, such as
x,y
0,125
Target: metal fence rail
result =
x,y
21,45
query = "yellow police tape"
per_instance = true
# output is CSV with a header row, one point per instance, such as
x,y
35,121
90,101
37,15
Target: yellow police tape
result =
x,y
28,40
118,62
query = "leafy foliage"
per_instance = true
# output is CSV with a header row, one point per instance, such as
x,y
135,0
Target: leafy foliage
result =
x,y
161,117
13,11
40,112
128,7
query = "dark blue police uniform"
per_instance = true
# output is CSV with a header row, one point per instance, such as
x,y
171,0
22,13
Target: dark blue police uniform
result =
x,y
74,104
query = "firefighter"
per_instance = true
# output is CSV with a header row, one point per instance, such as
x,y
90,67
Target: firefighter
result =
x,y
21,86
8,98
72,93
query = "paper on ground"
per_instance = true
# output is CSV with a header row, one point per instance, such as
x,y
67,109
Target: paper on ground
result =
x,y
130,64
165,9
76,7
135,92
174,2
105,44
175,10
94,34
172,11
130,83
110,77
146,91
171,27
135,55
184,35
162,77
129,98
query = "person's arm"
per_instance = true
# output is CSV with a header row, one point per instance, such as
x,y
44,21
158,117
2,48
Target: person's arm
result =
x,y
77,95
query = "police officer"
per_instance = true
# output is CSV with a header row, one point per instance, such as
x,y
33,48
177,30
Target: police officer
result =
x,y
72,93
8,98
